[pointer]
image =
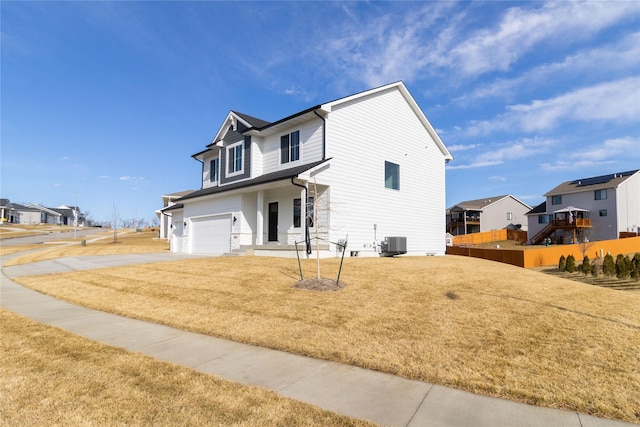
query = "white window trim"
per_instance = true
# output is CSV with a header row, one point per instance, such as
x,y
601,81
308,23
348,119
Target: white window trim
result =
x,y
292,162
229,148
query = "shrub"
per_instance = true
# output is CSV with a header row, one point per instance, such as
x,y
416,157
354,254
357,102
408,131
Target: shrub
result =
x,y
562,264
594,270
622,266
585,267
571,264
635,267
608,266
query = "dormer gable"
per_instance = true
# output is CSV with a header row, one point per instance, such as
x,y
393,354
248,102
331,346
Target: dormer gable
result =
x,y
236,122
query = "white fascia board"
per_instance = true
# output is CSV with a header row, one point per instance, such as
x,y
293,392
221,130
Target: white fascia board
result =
x,y
231,118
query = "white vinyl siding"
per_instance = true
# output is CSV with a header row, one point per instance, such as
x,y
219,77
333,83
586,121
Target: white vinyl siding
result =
x,y
310,146
384,128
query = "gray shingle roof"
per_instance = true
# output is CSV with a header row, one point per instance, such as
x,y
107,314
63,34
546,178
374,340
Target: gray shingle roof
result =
x,y
264,179
478,204
593,183
540,209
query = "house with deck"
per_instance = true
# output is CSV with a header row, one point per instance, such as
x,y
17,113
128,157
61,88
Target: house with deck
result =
x,y
486,214
367,169
596,208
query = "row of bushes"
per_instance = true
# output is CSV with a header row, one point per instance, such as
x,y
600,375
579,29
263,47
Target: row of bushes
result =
x,y
622,267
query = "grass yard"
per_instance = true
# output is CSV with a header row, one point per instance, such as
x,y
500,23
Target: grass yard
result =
x,y
51,377
127,242
476,325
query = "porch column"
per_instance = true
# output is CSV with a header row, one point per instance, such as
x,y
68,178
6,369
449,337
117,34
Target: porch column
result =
x,y
303,215
260,218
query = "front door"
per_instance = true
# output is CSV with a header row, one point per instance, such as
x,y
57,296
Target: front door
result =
x,y
273,222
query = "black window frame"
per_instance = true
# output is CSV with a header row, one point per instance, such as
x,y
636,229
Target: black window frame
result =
x,y
556,200
598,194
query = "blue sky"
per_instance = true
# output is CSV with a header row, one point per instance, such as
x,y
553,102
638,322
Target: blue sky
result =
x,y
107,101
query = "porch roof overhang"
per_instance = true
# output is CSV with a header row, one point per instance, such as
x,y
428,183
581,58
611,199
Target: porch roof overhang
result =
x,y
571,209
285,174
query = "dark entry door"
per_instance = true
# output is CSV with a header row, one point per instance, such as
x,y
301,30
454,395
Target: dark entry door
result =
x,y
273,222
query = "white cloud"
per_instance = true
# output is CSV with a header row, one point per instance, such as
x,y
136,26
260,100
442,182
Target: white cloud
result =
x,y
509,151
497,178
608,152
622,56
521,29
463,147
615,101
131,178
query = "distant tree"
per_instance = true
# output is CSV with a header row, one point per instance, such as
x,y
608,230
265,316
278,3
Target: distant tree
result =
x,y
562,264
608,266
571,264
115,220
585,267
584,236
622,266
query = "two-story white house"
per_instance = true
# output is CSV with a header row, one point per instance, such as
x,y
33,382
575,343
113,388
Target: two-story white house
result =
x,y
486,214
598,208
360,168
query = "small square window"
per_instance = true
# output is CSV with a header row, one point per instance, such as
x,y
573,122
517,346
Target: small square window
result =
x,y
603,212
556,200
600,194
391,176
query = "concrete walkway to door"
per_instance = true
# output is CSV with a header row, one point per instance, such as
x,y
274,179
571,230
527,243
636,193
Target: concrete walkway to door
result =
x,y
361,393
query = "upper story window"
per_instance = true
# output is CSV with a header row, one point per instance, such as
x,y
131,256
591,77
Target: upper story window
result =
x,y
509,216
556,200
234,159
391,175
290,147
214,170
600,194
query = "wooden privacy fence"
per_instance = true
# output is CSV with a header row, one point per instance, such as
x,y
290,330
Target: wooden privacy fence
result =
x,y
534,256
489,236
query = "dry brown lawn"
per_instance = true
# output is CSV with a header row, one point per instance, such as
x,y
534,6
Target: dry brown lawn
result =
x,y
51,377
126,242
468,323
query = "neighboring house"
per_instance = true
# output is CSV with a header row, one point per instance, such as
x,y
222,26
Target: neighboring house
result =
x,y
47,216
489,213
164,215
5,211
362,168
70,215
596,208
25,215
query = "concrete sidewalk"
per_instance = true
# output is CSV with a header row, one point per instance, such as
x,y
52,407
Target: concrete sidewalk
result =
x,y
382,398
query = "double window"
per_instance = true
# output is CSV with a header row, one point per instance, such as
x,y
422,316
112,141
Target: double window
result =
x,y
391,176
556,200
214,170
234,158
290,147
600,194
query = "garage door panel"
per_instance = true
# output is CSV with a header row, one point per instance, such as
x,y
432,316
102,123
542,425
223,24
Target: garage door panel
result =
x,y
211,235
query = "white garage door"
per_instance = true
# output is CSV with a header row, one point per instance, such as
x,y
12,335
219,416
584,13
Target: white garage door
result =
x,y
211,235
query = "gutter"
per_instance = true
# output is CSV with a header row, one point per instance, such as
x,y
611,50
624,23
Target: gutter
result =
x,y
324,134
307,239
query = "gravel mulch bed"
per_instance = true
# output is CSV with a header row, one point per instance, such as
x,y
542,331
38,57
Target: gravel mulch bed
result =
x,y
321,284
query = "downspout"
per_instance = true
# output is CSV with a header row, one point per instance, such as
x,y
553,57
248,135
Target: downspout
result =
x,y
307,239
324,135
